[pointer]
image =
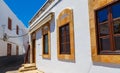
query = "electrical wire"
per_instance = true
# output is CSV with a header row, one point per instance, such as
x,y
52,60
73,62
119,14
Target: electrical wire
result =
x,y
17,36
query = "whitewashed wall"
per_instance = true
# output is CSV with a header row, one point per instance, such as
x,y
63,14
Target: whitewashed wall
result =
x,y
5,12
82,41
83,62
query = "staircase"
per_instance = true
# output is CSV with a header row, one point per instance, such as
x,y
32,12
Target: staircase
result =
x,y
28,68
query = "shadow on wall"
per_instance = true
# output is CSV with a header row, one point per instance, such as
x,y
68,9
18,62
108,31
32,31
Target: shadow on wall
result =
x,y
52,24
70,61
107,65
52,29
39,34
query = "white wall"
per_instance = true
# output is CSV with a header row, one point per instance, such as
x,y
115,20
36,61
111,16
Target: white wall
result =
x,y
5,12
82,41
105,68
26,39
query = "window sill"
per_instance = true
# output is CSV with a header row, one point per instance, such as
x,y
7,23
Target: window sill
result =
x,y
46,56
109,53
66,57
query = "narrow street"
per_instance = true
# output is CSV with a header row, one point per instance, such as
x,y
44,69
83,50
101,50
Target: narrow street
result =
x,y
10,64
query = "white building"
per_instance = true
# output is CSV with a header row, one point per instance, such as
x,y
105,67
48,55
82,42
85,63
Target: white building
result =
x,y
63,38
14,28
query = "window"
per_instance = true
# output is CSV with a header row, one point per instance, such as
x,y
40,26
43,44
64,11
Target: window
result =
x,y
65,35
17,29
9,24
9,47
64,39
46,41
108,29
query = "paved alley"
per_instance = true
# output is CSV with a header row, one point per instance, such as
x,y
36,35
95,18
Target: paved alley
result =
x,y
10,64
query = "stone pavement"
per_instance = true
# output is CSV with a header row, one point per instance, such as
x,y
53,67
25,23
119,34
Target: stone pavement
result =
x,y
12,71
32,71
11,64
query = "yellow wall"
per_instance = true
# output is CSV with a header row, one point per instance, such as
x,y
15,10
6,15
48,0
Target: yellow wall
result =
x,y
93,5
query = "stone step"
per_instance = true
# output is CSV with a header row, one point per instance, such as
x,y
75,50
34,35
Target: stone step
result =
x,y
26,69
29,65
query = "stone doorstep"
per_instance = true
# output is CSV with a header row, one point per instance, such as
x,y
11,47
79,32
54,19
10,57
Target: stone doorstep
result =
x,y
22,69
29,68
29,65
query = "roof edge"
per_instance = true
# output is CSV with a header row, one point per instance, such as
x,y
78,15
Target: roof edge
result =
x,y
41,10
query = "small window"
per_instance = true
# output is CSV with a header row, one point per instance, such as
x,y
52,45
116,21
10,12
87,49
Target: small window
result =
x,y
9,24
108,29
46,41
17,29
64,39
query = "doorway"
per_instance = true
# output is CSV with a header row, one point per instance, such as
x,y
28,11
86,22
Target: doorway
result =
x,y
9,46
33,47
33,50
17,50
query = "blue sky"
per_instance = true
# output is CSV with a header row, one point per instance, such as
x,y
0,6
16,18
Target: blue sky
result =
x,y
25,9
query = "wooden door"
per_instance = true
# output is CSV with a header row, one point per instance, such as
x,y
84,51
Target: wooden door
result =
x,y
17,50
33,50
9,46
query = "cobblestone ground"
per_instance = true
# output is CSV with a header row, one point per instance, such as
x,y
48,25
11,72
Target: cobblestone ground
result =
x,y
10,64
